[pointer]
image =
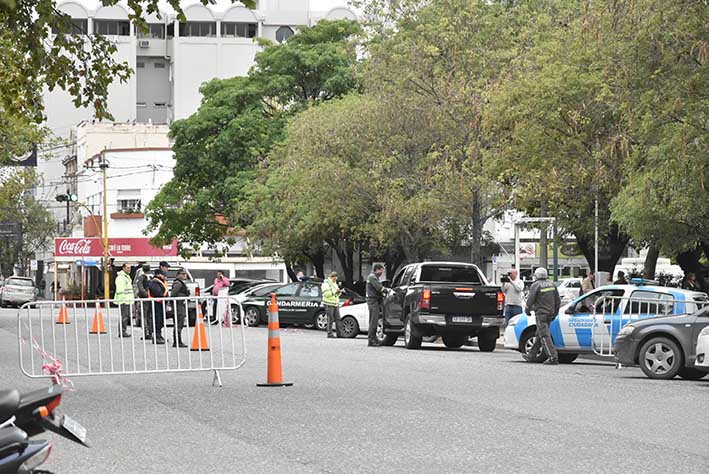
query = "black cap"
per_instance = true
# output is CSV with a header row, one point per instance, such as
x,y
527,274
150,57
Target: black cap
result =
x,y
159,272
164,264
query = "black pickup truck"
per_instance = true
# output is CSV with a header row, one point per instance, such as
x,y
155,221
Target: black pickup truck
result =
x,y
447,299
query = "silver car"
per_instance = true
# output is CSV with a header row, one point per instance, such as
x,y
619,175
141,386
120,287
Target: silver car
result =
x,y
17,291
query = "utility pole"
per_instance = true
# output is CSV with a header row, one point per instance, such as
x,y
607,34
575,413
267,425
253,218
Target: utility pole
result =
x,y
106,281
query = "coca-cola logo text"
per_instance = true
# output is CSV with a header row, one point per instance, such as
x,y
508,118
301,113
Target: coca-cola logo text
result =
x,y
78,247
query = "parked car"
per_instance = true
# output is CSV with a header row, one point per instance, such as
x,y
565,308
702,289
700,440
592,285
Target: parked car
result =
x,y
236,287
355,318
665,346
569,289
572,330
17,291
448,299
298,303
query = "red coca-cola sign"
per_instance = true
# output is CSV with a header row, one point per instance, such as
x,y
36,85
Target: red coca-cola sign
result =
x,y
117,247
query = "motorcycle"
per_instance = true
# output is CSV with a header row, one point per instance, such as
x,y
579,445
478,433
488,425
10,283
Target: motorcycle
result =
x,y
28,415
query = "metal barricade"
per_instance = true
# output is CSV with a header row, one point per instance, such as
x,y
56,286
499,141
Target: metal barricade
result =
x,y
611,313
84,338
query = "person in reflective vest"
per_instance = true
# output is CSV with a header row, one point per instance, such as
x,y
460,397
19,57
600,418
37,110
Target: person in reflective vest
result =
x,y
124,298
331,300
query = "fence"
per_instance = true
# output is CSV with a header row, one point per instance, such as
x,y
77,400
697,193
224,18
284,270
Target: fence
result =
x,y
84,338
611,313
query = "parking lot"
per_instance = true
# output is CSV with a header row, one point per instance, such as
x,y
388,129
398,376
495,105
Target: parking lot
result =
x,y
359,409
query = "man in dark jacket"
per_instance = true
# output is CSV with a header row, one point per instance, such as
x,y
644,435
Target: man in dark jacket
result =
x,y
157,289
179,289
544,300
375,298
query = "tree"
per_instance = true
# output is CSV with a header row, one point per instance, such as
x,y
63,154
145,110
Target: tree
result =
x,y
666,56
448,54
33,56
562,135
18,205
219,149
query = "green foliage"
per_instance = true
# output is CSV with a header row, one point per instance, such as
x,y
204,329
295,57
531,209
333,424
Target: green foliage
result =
x,y
219,148
18,205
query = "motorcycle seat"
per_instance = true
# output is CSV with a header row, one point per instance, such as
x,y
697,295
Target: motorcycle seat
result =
x,y
9,403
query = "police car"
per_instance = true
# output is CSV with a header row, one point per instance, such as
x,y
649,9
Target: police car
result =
x,y
298,303
609,308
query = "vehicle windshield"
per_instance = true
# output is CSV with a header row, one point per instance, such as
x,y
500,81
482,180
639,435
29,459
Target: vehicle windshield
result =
x,y
265,290
450,274
20,282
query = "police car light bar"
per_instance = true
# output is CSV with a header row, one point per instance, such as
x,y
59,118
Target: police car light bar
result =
x,y
643,281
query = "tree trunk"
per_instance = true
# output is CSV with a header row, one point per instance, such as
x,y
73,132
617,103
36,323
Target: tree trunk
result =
x,y
345,254
610,249
476,232
689,261
318,260
543,244
651,262
290,271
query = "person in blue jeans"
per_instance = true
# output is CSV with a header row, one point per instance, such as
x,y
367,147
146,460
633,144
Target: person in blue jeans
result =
x,y
513,288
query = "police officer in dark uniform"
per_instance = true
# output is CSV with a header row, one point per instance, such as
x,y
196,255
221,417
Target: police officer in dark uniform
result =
x,y
544,300
157,289
375,297
179,290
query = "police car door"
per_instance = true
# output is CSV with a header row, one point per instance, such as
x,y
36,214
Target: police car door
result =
x,y
285,296
307,302
575,323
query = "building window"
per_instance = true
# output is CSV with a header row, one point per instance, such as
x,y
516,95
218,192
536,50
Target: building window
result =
x,y
198,28
129,201
140,65
159,65
171,30
239,30
112,27
78,26
283,33
155,31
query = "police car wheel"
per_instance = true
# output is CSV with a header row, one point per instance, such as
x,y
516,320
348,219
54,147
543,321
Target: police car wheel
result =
x,y
321,321
660,358
689,373
252,316
350,328
412,340
526,344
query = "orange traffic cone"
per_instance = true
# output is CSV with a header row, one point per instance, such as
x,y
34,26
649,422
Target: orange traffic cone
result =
x,y
275,372
97,327
63,314
199,341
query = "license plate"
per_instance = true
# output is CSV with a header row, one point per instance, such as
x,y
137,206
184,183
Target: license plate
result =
x,y
75,428
461,319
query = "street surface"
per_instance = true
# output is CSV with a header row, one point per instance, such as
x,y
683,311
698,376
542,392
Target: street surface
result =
x,y
355,409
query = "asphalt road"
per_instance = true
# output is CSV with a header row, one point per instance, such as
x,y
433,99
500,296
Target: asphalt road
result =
x,y
355,409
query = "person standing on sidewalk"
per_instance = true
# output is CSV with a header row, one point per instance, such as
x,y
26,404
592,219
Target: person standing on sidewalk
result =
x,y
124,298
544,300
513,288
375,298
588,284
179,289
219,282
331,300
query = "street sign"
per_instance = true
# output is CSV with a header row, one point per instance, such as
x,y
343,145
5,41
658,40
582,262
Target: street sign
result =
x,y
33,265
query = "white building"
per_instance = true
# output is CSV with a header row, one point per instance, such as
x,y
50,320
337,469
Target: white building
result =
x,y
171,61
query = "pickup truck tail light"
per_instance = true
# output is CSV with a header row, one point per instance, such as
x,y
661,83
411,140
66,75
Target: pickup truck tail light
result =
x,y
500,301
197,292
425,302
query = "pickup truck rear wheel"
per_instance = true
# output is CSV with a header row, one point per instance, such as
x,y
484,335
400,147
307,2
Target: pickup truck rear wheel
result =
x,y
454,341
412,339
487,340
384,339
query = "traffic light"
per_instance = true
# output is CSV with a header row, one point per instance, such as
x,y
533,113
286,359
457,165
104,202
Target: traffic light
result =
x,y
68,197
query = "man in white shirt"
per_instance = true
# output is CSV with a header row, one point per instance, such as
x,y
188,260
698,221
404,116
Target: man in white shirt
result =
x,y
513,288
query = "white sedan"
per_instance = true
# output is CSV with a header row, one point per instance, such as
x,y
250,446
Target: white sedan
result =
x,y
569,289
355,319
